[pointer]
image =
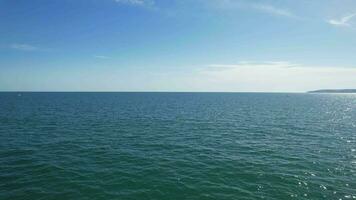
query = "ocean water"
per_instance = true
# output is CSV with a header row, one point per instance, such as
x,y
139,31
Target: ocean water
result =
x,y
177,146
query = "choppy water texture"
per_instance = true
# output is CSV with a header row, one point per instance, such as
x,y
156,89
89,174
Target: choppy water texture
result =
x,y
177,146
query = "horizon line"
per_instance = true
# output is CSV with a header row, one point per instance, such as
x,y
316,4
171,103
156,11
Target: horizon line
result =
x,y
93,91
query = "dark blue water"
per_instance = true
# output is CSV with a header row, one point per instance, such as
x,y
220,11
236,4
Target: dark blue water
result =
x,y
177,146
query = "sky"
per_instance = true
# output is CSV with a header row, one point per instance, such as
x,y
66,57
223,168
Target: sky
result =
x,y
177,45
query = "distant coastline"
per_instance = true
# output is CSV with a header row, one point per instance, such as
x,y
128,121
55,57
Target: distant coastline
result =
x,y
334,91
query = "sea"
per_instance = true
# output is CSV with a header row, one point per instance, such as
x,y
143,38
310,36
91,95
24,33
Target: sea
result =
x,y
176,146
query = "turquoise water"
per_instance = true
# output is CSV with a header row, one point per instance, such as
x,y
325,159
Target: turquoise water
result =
x,y
177,146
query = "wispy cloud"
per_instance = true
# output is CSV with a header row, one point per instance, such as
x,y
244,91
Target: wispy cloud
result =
x,y
248,5
253,63
269,9
344,21
101,57
275,76
24,47
147,3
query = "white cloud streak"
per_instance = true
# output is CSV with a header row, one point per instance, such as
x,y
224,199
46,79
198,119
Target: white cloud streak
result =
x,y
101,57
24,47
344,21
136,2
259,7
269,9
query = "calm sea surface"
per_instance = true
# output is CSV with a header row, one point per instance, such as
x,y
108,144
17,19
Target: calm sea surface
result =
x,y
177,146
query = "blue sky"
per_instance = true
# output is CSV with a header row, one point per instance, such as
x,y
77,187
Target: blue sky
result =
x,y
177,45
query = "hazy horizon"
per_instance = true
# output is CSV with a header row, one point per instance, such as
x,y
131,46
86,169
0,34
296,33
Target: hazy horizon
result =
x,y
158,91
